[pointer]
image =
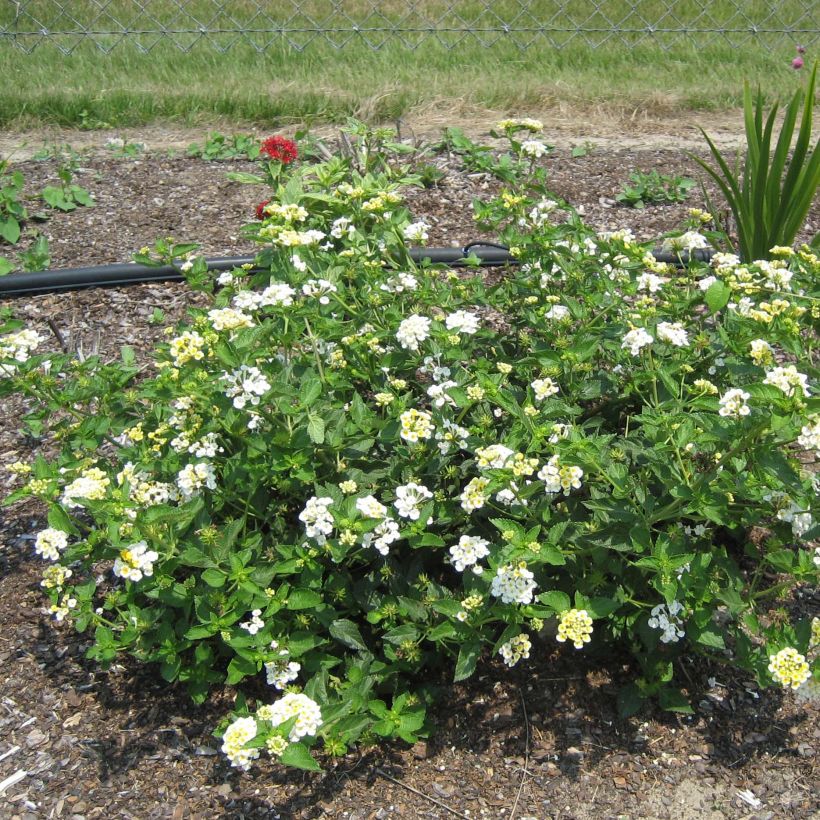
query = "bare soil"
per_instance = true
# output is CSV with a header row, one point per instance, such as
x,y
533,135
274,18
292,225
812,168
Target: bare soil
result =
x,y
539,742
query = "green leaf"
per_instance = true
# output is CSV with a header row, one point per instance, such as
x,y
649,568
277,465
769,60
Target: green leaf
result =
x,y
673,700
214,578
304,599
60,520
559,601
708,636
468,657
630,700
717,296
316,428
346,632
245,178
5,266
400,634
298,755
310,391
10,230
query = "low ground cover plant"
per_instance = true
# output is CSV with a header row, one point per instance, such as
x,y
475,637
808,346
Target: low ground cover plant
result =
x,y
14,216
351,471
653,188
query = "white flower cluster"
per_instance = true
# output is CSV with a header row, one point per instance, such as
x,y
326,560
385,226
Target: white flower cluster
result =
x,y
369,507
539,216
386,532
400,282
193,477
90,485
255,623
474,496
515,649
800,518
246,386
318,520
534,149
280,671
809,437
666,618
229,319
451,434
651,282
544,388
319,289
19,345
275,294
135,562
787,379
495,457
689,241
558,477
733,403
438,393
558,313
410,498
462,321
416,425
468,552
240,732
417,232
50,542
306,711
513,583
635,340
673,334
412,331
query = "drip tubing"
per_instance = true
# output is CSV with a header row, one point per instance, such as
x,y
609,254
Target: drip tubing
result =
x,y
489,254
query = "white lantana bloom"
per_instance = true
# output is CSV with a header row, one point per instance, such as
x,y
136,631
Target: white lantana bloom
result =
x,y
673,334
417,232
462,321
50,542
135,562
787,379
513,583
635,340
733,403
410,498
294,704
240,732
469,551
412,331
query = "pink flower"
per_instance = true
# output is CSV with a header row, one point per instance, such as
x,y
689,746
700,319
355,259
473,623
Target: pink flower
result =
x,y
797,63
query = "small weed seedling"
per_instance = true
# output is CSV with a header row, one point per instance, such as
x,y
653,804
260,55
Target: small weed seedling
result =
x,y
654,189
67,196
12,210
125,150
219,148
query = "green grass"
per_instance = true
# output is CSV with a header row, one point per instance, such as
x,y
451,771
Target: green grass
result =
x,y
320,82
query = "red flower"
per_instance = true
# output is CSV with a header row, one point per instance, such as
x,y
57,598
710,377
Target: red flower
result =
x,y
279,148
797,63
260,209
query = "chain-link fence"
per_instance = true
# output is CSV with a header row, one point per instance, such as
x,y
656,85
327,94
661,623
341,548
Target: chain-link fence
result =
x,y
226,24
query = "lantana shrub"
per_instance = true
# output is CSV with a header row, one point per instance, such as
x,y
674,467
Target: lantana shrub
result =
x,y
351,470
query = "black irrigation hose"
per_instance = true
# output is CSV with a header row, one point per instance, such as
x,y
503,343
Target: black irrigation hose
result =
x,y
489,254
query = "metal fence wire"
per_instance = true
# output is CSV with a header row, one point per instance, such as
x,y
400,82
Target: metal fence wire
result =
x,y
298,24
